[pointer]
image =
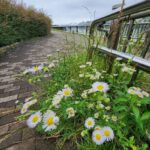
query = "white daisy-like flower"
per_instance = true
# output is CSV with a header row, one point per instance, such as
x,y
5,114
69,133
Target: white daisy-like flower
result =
x,y
96,115
131,91
90,105
100,86
90,91
23,110
128,69
139,94
98,137
57,98
108,108
82,66
71,112
106,117
16,102
145,93
89,123
89,63
51,65
26,71
50,120
92,77
97,75
28,99
49,55
114,118
27,104
34,120
34,101
119,58
115,74
67,92
108,133
55,61
81,75
84,95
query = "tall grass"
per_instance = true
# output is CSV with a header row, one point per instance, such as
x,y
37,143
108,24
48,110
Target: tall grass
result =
x,y
19,22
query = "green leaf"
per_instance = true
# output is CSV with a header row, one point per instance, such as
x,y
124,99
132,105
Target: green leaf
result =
x,y
136,112
145,116
145,100
121,99
120,108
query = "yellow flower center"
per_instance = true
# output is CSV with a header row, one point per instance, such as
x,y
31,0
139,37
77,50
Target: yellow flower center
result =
x,y
35,119
50,121
132,92
107,133
67,92
98,137
100,87
28,105
36,68
90,123
134,148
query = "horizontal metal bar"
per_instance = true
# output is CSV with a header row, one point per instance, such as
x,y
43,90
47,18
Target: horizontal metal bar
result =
x,y
140,62
135,11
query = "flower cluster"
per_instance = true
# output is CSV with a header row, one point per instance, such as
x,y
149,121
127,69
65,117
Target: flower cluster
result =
x,y
34,70
137,91
49,120
96,87
64,93
28,102
99,135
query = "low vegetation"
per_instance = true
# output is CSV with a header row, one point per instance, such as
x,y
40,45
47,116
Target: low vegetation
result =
x,y
84,104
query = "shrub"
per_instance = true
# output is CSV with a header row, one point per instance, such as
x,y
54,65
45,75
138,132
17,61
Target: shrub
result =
x,y
18,22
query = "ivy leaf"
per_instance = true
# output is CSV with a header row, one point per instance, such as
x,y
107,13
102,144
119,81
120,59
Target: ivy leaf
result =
x,y
145,116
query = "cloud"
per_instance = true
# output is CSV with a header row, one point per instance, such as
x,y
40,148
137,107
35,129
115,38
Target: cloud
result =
x,y
73,11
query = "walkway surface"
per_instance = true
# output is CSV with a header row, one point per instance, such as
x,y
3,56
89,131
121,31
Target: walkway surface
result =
x,y
27,54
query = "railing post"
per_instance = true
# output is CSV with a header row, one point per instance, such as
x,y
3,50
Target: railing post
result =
x,y
113,38
143,54
129,33
77,29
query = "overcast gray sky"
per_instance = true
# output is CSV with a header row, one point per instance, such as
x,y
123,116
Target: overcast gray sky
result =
x,y
74,11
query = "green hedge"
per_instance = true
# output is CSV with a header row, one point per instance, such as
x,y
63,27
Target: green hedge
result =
x,y
19,23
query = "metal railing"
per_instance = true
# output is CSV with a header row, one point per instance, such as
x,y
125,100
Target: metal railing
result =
x,y
119,22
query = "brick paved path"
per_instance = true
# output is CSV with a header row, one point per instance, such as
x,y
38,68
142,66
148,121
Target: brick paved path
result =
x,y
29,53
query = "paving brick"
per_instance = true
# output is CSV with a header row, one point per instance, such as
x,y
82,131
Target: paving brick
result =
x,y
25,145
8,118
24,95
28,133
4,129
9,98
6,86
11,139
12,88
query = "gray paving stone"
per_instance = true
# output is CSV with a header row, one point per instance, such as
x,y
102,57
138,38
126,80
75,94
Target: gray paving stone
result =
x,y
8,98
14,88
6,86
12,139
4,129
